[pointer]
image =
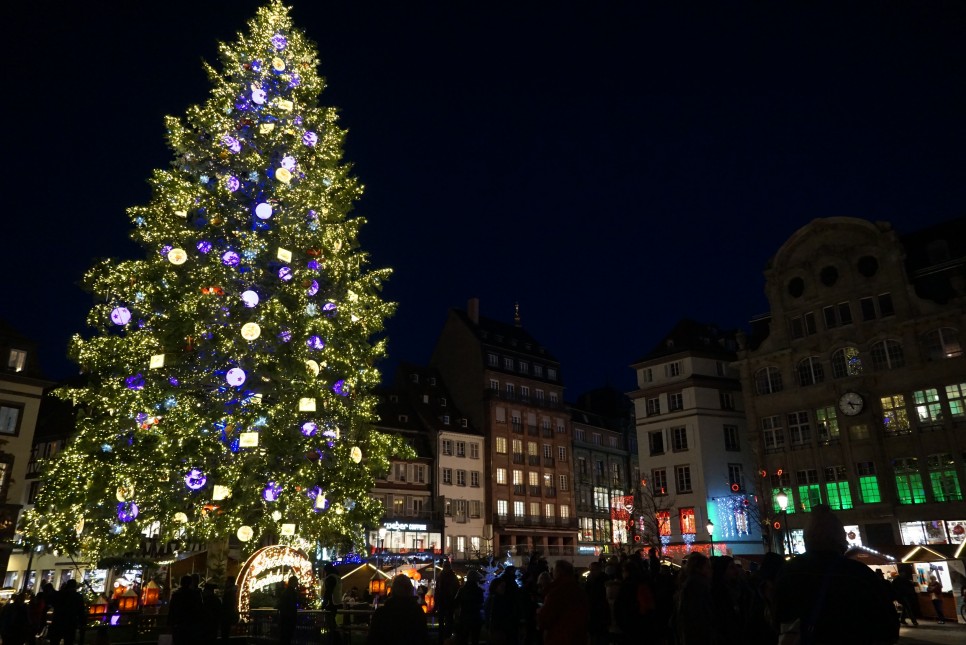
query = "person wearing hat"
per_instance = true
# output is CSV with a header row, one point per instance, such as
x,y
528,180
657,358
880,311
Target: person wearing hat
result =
x,y
400,619
826,597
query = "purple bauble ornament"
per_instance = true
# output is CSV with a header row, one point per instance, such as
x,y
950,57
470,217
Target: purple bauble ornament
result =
x,y
235,376
195,479
279,42
315,342
272,491
120,316
313,288
288,162
258,96
285,274
232,184
231,143
127,511
204,246
310,138
135,382
309,428
340,388
230,259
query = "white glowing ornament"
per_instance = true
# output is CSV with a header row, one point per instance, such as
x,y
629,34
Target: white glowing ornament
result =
x,y
251,331
79,526
355,454
288,529
156,361
276,515
181,213
284,175
248,440
220,492
235,376
284,255
249,298
312,366
125,492
307,405
263,210
245,533
278,64
265,128
177,256
180,518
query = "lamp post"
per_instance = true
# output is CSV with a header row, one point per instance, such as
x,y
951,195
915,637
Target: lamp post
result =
x,y
782,499
382,545
710,528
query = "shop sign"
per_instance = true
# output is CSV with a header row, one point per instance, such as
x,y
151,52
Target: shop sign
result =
x,y
269,566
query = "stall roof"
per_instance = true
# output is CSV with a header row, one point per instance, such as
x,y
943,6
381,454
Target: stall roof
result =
x,y
935,552
868,556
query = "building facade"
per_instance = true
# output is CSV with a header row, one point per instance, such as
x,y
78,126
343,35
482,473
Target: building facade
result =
x,y
855,383
696,461
510,387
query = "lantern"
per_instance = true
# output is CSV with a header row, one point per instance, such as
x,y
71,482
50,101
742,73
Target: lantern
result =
x,y
151,594
98,607
377,585
128,601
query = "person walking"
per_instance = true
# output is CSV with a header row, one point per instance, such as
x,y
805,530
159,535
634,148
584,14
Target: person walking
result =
x,y
935,591
400,619
904,591
69,614
825,597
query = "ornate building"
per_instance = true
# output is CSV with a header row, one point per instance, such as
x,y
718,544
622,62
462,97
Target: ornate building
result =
x,y
855,382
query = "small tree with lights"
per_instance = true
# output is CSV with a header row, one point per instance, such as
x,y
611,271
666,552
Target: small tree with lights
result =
x,y
229,376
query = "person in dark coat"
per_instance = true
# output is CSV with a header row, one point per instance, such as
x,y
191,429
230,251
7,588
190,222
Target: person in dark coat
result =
x,y
599,618
469,609
14,621
229,609
904,591
399,619
69,614
563,617
185,613
829,598
444,599
211,607
503,607
288,611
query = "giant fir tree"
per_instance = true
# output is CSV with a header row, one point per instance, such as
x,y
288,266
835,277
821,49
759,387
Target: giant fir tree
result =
x,y
229,376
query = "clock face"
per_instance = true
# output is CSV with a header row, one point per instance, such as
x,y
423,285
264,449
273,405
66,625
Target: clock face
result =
x,y
851,403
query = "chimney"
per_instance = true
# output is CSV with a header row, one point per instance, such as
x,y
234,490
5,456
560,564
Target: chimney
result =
x,y
473,310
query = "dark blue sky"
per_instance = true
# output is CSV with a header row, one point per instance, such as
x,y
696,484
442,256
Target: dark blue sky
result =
x,y
611,166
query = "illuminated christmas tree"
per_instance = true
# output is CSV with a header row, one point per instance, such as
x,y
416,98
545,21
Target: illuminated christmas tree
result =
x,y
228,387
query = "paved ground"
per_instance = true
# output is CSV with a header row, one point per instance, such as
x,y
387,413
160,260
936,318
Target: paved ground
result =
x,y
929,633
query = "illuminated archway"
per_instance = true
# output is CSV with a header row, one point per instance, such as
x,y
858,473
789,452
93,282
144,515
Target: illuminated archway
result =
x,y
268,566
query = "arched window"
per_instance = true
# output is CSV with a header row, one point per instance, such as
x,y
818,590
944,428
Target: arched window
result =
x,y
887,355
941,343
846,362
810,371
768,380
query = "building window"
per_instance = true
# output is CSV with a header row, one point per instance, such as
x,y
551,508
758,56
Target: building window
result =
x,y
10,419
837,488
727,400
810,371
809,492
672,369
803,325
736,477
445,419
682,475
561,453
561,428
859,432
798,428
773,433
524,367
475,479
508,363
419,474
563,482
768,380
549,510
846,362
956,395
553,398
501,476
492,360
510,390
517,477
538,370
887,355
551,374
612,442
731,438
675,401
460,448
687,521
501,508
538,395
908,481
596,439
659,481
474,451
524,393
895,420
476,508
868,483
494,385
885,305
501,445
518,508
17,360
943,478
679,439
447,475
647,375
653,406
941,343
663,522
928,409
835,315
828,425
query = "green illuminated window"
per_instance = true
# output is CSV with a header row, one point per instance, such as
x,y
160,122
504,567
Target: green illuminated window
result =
x,y
869,490
956,394
774,501
811,495
944,479
909,481
839,496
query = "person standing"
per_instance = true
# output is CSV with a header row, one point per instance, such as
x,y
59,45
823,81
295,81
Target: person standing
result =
x,y
229,609
469,607
444,600
211,610
563,618
288,611
184,613
826,597
400,619
69,614
331,602
694,620
935,591
904,591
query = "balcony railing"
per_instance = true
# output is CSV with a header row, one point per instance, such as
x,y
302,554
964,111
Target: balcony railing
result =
x,y
532,430
533,460
517,428
547,433
518,457
548,461
534,491
519,489
549,492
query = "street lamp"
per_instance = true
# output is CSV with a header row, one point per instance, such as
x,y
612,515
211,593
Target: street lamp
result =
x,y
382,545
782,499
710,528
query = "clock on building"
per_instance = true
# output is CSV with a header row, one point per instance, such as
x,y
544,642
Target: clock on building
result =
x,y
851,403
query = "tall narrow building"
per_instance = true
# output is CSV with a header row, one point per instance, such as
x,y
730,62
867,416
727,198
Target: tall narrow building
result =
x,y
510,387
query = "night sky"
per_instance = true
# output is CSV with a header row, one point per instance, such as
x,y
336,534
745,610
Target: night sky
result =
x,y
611,166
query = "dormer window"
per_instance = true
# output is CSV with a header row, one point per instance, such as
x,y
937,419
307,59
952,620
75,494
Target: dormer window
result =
x,y
17,360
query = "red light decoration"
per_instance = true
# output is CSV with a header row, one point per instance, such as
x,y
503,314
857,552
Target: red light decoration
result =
x,y
777,524
779,472
735,488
